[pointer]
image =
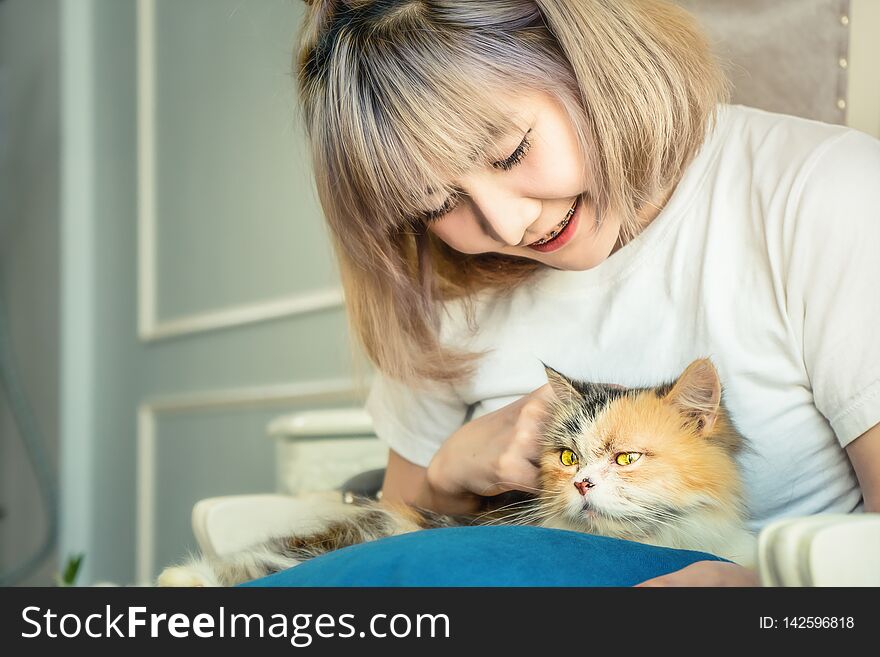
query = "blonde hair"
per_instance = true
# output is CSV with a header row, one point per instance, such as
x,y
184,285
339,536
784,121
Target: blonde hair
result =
x,y
399,97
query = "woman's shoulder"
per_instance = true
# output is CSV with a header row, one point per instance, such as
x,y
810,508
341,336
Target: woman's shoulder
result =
x,y
774,153
758,120
781,138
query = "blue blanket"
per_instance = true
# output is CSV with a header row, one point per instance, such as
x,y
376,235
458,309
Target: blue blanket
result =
x,y
488,556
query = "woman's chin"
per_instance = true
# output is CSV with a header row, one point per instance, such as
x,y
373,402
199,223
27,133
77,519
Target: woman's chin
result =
x,y
587,250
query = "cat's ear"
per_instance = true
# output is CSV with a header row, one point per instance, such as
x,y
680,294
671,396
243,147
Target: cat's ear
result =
x,y
562,386
697,395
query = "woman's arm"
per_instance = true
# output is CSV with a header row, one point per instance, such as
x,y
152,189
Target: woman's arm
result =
x,y
864,454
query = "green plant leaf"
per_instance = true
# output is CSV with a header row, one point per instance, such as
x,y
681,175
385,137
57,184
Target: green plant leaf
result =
x,y
71,570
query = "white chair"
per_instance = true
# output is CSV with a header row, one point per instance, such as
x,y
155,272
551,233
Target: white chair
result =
x,y
224,525
823,550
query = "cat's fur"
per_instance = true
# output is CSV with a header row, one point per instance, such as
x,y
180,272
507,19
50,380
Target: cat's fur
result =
x,y
683,491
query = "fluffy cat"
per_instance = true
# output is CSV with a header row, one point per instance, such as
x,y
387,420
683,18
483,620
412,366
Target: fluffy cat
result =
x,y
653,465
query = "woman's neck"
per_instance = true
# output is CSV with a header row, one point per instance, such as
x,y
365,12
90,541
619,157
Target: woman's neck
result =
x,y
647,213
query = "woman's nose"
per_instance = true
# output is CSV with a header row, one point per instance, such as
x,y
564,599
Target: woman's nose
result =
x,y
505,216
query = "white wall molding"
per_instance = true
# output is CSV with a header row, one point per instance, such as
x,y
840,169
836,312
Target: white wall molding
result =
x,y
146,171
150,326
145,496
299,304
343,391
77,421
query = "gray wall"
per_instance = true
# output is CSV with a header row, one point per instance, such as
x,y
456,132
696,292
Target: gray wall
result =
x,y
29,240
161,408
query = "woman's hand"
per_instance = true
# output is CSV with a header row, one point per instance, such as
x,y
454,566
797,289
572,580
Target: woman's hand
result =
x,y
495,453
707,573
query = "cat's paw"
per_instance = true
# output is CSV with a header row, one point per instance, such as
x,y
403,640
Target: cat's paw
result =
x,y
187,576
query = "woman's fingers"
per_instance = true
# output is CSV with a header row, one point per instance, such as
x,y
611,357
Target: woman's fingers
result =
x,y
523,476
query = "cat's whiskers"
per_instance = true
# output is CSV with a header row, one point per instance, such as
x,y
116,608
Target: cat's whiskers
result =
x,y
526,516
513,505
519,486
529,511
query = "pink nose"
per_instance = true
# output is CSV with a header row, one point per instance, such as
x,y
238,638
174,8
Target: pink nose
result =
x,y
583,485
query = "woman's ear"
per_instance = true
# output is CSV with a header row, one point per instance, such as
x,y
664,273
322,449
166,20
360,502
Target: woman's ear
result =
x,y
697,395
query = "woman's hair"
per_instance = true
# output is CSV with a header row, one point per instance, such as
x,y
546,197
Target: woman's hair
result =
x,y
399,97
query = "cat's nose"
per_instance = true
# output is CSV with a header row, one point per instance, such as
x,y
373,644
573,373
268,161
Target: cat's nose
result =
x,y
583,485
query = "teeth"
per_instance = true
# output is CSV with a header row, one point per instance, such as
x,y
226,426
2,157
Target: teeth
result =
x,y
558,228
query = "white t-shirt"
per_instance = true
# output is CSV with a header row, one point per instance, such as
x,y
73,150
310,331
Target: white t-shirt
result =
x,y
766,258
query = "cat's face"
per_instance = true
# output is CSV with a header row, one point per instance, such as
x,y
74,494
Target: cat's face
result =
x,y
638,458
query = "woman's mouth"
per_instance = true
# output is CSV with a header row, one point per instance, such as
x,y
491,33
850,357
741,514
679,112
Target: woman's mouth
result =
x,y
561,234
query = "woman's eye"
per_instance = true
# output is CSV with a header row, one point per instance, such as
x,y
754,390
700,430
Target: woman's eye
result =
x,y
506,164
435,215
627,458
568,457
517,156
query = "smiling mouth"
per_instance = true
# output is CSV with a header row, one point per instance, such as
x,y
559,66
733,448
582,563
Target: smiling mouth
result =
x,y
559,227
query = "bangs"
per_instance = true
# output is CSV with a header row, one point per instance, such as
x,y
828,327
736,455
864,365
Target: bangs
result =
x,y
415,112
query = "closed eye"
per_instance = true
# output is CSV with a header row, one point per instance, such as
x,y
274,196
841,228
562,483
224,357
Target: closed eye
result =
x,y
517,156
506,164
434,215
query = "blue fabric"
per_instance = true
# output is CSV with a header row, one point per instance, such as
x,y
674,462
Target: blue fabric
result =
x,y
488,556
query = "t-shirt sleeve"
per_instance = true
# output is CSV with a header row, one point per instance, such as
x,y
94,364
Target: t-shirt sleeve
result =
x,y
414,421
833,280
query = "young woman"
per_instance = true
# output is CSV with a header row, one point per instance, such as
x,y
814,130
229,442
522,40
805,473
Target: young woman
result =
x,y
511,182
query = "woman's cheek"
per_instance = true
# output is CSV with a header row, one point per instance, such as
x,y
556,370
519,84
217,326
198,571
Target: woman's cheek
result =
x,y
552,176
462,234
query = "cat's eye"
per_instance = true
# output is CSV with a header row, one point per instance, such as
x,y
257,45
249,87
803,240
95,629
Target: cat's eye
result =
x,y
568,457
627,458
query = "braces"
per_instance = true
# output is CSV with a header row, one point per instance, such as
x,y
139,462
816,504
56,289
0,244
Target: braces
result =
x,y
561,227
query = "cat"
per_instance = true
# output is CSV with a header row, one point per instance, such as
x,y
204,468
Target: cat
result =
x,y
654,465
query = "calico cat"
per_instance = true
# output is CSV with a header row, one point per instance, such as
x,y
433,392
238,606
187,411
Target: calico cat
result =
x,y
653,465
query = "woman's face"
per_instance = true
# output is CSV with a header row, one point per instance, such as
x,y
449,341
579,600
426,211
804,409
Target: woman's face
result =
x,y
520,205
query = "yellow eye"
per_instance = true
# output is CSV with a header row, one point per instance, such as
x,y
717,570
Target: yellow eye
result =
x,y
568,457
628,458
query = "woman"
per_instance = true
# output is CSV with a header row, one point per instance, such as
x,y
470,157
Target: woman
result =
x,y
515,181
